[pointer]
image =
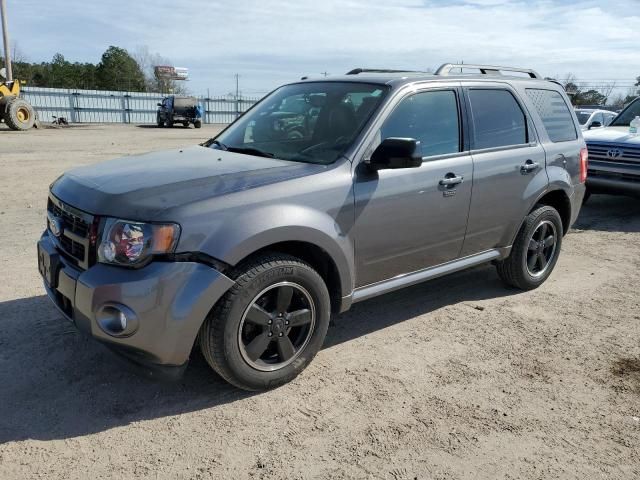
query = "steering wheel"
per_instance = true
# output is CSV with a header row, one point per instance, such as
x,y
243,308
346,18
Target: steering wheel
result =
x,y
337,143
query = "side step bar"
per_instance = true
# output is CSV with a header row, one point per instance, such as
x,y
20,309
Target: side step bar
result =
x,y
407,279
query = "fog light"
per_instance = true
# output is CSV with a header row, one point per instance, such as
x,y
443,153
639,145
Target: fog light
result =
x,y
117,320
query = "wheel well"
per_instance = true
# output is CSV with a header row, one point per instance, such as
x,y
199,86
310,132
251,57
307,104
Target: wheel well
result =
x,y
559,200
315,256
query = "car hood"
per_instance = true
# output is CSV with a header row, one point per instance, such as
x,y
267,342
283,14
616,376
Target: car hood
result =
x,y
611,135
139,187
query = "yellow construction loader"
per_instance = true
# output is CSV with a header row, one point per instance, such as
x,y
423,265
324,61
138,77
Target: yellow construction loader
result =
x,y
16,112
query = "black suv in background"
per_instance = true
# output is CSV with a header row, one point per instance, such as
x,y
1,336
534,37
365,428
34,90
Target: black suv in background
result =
x,y
175,109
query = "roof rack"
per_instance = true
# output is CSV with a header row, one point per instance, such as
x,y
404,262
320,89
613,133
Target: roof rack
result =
x,y
357,71
445,69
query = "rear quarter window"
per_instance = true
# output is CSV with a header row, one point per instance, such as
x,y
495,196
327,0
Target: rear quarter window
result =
x,y
555,114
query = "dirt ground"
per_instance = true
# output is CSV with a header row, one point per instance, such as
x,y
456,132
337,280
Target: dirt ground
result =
x,y
456,378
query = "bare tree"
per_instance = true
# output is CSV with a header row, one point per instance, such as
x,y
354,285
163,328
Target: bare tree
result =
x,y
147,61
606,89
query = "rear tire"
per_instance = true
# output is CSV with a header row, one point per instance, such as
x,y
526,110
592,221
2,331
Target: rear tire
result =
x,y
197,124
19,114
268,327
168,124
535,252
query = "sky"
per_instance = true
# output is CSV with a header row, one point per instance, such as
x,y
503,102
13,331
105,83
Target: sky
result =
x,y
270,42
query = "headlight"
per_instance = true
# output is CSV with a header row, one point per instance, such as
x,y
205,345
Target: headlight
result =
x,y
132,243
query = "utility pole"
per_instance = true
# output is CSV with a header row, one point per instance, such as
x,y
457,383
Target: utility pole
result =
x,y
5,38
237,95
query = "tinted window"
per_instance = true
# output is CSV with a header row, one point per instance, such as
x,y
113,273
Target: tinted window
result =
x,y
498,120
628,114
431,118
555,114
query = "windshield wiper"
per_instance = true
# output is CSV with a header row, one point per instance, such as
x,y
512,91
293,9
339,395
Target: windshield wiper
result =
x,y
250,151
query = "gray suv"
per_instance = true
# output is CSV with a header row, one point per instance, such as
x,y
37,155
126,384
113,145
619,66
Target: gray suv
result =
x,y
246,244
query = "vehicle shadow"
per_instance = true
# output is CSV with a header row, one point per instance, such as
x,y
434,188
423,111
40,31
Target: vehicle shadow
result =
x,y
467,287
610,213
57,383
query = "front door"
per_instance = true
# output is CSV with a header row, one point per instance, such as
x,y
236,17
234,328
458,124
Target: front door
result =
x,y
410,219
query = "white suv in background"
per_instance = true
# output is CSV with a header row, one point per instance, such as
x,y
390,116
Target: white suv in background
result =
x,y
591,118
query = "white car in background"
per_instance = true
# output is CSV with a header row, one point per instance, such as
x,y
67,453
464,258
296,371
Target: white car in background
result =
x,y
591,118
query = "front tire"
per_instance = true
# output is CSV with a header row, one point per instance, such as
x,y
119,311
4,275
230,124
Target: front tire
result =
x,y
19,114
535,252
268,327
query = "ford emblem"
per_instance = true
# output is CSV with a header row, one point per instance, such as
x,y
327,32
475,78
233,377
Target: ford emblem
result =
x,y
55,225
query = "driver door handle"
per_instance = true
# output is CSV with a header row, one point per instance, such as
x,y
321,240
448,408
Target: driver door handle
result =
x,y
449,181
529,166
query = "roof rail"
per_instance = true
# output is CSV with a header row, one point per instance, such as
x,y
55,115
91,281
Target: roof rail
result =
x,y
357,71
485,69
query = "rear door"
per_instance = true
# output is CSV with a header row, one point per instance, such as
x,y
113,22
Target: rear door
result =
x,y
508,164
560,137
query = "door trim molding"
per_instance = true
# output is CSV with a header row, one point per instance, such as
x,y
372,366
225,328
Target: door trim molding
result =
x,y
407,279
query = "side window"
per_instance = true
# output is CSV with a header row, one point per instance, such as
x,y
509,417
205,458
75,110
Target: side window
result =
x,y
498,120
430,117
608,118
556,116
598,118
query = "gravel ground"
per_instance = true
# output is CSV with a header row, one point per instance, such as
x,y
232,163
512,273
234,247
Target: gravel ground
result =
x,y
456,378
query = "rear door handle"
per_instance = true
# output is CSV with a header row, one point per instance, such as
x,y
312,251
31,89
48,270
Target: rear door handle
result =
x,y
451,179
529,166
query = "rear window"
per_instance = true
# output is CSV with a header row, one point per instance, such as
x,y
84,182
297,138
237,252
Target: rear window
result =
x,y
498,120
555,114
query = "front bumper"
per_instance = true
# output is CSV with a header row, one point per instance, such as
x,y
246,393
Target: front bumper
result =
x,y
613,185
615,177
169,301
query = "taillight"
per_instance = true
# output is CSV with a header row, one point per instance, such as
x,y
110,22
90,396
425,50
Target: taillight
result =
x,y
584,163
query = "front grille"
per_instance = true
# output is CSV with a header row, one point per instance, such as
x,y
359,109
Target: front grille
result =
x,y
72,222
73,231
630,155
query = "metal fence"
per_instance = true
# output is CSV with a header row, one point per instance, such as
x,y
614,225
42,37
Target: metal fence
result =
x,y
96,106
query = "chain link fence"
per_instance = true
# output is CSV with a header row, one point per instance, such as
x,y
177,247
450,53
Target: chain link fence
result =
x,y
96,106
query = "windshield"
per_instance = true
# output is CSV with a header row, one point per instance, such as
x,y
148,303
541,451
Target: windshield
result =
x,y
583,117
307,122
632,111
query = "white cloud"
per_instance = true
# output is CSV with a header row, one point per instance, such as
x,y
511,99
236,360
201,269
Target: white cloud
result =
x,y
272,41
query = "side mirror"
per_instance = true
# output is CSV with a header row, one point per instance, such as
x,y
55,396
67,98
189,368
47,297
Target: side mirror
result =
x,y
396,153
595,125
